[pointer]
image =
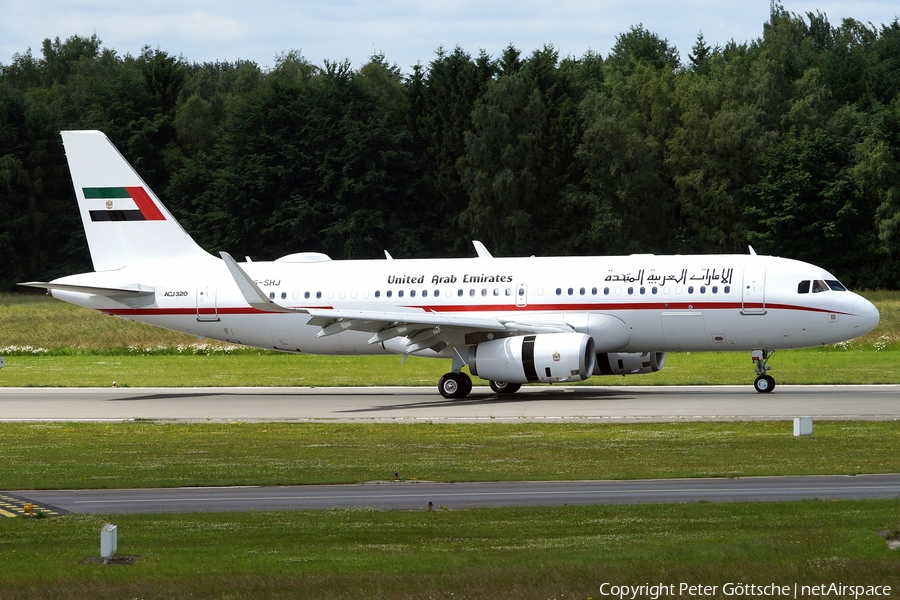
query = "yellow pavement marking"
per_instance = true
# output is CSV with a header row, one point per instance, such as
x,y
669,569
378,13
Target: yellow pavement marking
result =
x,y
18,506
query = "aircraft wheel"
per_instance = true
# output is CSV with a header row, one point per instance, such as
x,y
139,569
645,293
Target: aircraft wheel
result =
x,y
501,387
455,385
467,385
764,384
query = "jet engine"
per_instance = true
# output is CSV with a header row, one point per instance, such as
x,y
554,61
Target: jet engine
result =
x,y
629,363
547,357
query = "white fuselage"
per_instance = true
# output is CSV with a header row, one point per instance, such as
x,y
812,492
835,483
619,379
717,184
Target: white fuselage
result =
x,y
635,303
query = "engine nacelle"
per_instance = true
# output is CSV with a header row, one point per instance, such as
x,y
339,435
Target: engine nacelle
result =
x,y
629,363
547,357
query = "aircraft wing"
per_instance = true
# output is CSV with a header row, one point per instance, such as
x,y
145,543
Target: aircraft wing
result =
x,y
424,329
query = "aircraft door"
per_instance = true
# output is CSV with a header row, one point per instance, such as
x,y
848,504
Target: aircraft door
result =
x,y
522,294
206,302
753,301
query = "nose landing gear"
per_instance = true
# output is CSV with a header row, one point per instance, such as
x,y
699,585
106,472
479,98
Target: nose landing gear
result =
x,y
764,383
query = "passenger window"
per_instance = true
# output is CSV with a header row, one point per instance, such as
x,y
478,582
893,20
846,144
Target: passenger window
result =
x,y
690,289
319,295
400,294
803,288
484,291
271,295
571,291
819,286
606,291
643,290
702,289
412,293
559,291
306,295
727,289
653,290
438,293
594,291
459,293
284,295
581,291
472,292
389,292
715,289
496,291
377,294
521,291
424,293
508,291
630,291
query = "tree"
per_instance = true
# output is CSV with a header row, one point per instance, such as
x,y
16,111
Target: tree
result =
x,y
803,207
638,45
441,101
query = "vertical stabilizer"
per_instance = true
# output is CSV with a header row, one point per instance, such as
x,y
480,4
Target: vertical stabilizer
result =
x,y
124,221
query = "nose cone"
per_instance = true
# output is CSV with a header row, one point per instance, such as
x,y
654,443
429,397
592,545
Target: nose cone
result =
x,y
865,316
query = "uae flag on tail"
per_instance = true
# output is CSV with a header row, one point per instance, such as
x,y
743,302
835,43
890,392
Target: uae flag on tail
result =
x,y
122,204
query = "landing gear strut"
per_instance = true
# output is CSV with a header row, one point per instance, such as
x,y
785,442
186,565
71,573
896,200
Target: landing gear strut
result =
x,y
764,383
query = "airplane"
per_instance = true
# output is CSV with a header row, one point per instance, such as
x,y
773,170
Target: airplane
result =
x,y
512,321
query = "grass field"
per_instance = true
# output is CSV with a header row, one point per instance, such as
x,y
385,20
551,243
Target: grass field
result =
x,y
147,454
554,552
50,343
512,553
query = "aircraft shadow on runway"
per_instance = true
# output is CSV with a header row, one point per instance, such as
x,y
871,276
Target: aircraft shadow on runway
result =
x,y
479,398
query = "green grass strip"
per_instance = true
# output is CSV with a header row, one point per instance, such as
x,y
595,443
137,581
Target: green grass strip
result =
x,y
254,368
147,454
559,552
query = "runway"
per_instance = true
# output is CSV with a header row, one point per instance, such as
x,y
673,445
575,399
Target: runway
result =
x,y
413,496
531,404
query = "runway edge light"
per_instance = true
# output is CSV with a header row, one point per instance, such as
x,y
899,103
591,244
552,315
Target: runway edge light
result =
x,y
803,426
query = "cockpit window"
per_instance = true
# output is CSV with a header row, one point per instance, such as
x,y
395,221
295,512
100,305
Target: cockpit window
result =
x,y
835,285
819,286
803,288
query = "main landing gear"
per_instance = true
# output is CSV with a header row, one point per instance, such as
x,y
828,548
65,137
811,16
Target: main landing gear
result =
x,y
459,385
764,383
501,387
455,385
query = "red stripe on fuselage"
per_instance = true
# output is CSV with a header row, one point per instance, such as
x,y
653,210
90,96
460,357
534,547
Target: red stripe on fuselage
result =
x,y
500,308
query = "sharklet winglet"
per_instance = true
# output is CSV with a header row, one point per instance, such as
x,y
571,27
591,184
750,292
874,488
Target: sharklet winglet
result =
x,y
254,296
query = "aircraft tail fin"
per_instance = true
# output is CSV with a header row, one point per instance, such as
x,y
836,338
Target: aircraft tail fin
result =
x,y
124,221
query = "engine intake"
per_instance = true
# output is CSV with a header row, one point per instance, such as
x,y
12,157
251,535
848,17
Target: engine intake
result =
x,y
629,363
547,357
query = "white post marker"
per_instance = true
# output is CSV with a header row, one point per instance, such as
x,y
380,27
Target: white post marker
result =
x,y
108,540
2,362
803,426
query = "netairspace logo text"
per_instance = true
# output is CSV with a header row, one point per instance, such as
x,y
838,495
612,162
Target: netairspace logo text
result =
x,y
743,590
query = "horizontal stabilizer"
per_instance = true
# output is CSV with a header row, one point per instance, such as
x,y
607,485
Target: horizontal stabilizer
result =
x,y
128,291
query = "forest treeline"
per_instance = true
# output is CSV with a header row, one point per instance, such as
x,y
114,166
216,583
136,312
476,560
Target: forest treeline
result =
x,y
790,143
